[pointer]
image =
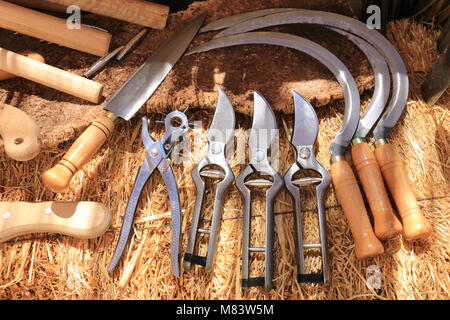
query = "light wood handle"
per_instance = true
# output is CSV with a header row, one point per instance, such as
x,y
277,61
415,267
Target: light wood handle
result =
x,y
50,76
32,55
83,149
46,27
141,12
84,220
415,226
386,224
349,196
19,132
40,4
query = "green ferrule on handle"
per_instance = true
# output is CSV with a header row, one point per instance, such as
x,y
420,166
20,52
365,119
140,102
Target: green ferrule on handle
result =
x,y
380,142
357,140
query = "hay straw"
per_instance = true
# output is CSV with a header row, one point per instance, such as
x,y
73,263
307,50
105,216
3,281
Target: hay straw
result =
x,y
43,266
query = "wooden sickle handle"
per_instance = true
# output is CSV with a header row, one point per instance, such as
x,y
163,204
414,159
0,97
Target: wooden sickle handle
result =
x,y
415,226
350,198
386,224
82,220
83,149
19,132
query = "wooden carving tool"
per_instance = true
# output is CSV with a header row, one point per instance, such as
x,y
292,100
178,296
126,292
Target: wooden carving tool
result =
x,y
50,76
84,220
32,55
46,27
19,133
141,12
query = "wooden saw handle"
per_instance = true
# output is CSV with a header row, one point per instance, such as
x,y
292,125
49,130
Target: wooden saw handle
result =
x,y
19,132
415,226
46,27
84,220
50,76
349,196
386,224
153,15
32,55
83,149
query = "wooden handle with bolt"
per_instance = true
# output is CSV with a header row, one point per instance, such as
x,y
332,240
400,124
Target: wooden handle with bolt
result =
x,y
415,226
52,29
386,223
19,132
50,76
84,220
32,55
82,150
349,197
153,15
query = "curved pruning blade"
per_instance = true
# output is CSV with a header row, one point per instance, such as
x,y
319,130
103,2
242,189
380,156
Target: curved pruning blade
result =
x,y
306,126
224,121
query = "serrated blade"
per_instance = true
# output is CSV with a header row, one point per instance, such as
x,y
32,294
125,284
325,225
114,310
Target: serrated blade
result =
x,y
130,97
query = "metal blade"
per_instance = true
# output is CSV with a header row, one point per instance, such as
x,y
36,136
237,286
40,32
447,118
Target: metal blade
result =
x,y
306,124
223,123
382,84
336,66
264,127
235,19
130,97
400,80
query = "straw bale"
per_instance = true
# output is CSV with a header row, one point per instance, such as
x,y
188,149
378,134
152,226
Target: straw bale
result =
x,y
45,266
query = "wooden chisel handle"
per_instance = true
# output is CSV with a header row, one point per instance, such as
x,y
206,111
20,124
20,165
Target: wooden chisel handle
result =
x,y
153,15
50,76
84,220
46,27
32,55
20,133
415,226
386,224
83,149
349,197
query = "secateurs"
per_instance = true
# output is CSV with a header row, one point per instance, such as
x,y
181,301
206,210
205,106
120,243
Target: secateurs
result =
x,y
304,135
262,134
157,157
213,165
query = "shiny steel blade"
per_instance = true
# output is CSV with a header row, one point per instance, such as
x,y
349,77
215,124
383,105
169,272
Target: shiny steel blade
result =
x,y
223,123
130,97
264,127
235,19
399,74
306,124
336,66
382,84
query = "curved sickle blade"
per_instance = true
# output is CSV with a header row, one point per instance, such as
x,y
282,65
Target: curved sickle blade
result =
x,y
169,179
224,121
382,83
306,126
238,18
340,71
396,65
141,179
